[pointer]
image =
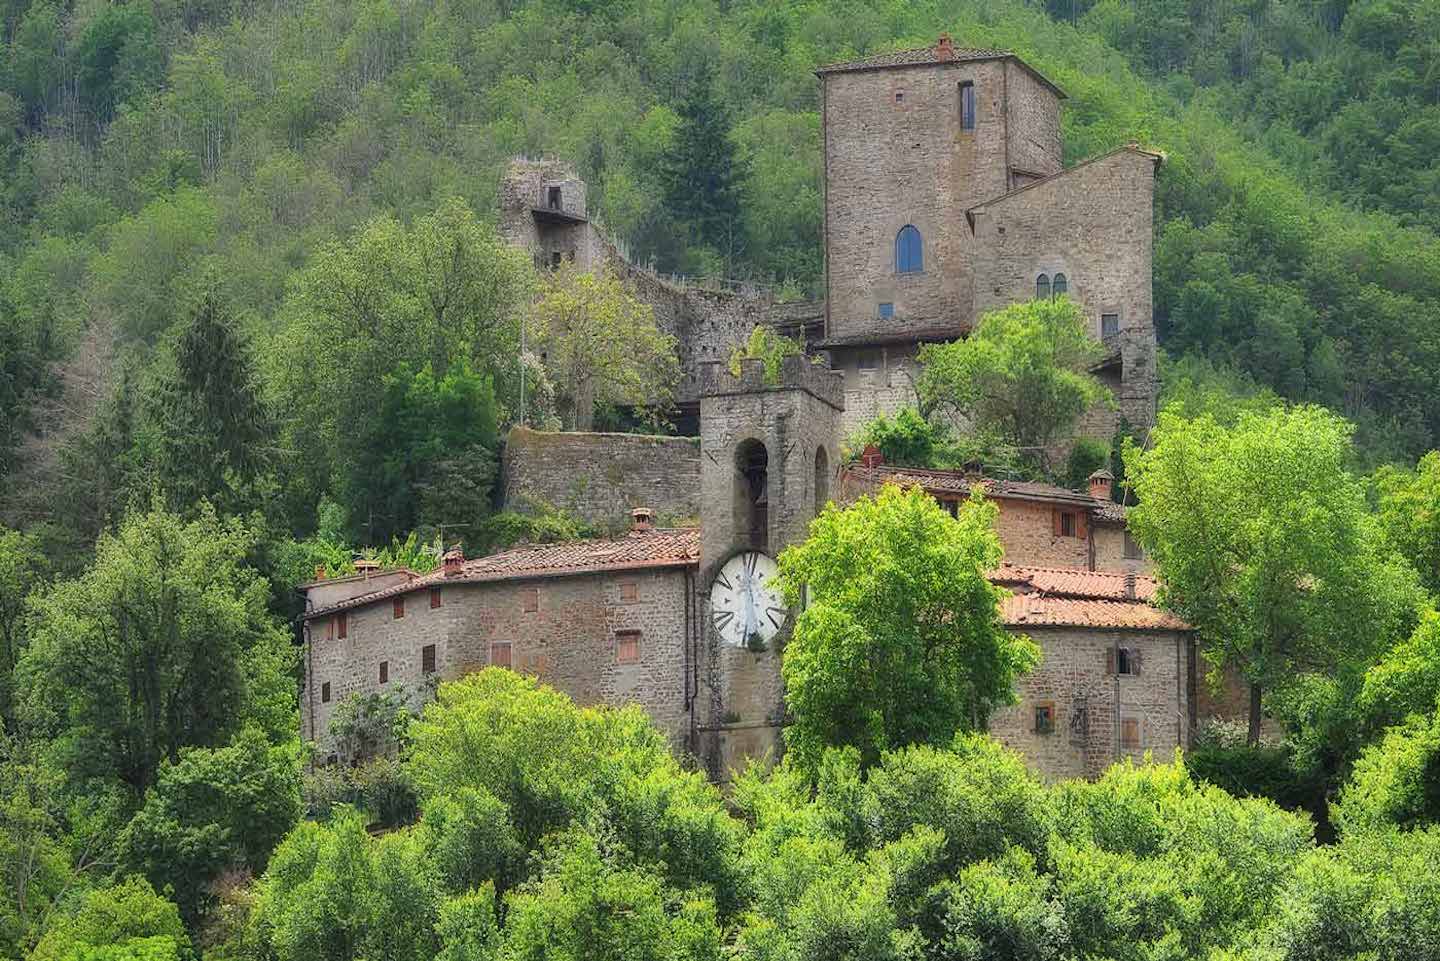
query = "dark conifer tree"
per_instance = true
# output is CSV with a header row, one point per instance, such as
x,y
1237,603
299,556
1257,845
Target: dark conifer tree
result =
x,y
702,176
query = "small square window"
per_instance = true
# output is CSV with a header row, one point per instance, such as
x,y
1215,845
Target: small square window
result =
x,y
530,599
325,693
1109,325
899,96
627,647
629,592
1067,524
342,622
398,606
1130,734
500,654
384,672
1045,718
434,598
427,659
887,310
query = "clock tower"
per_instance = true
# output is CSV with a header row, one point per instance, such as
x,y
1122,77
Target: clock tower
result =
x,y
768,455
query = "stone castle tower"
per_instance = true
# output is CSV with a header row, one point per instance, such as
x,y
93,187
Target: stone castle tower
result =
x,y
945,197
768,454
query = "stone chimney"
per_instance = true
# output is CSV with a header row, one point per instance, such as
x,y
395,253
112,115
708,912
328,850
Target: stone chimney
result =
x,y
453,561
871,456
1130,585
366,565
1102,482
642,519
944,48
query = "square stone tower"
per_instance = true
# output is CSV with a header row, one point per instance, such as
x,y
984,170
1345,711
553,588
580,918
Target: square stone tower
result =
x,y
768,456
913,139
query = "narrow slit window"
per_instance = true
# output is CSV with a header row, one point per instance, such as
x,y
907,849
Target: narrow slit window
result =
x,y
967,106
384,672
325,693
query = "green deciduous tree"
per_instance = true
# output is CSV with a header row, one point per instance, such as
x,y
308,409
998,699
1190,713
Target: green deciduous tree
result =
x,y
901,641
165,642
764,344
22,566
602,346
1263,541
127,922
1410,515
212,811
1023,374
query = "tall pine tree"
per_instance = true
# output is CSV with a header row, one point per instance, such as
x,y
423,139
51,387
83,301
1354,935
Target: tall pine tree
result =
x,y
702,176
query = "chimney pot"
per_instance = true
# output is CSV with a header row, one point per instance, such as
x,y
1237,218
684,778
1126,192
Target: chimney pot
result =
x,y
319,572
944,48
1130,585
453,561
1102,483
642,519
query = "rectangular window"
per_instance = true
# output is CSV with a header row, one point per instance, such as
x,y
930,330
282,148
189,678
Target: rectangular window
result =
x,y
398,606
342,621
530,599
434,598
1130,734
427,659
627,647
899,96
1109,325
887,311
1123,660
1067,524
1133,550
629,593
384,672
866,361
1045,718
500,654
325,693
554,198
967,106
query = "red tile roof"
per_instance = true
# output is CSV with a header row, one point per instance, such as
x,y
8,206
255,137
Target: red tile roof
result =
x,y
961,483
1039,610
655,548
1063,597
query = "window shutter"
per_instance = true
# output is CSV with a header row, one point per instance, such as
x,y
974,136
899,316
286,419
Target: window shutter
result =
x,y
1055,520
1135,661
1109,660
1081,519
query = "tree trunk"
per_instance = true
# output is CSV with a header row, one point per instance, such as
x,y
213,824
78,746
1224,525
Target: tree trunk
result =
x,y
1253,737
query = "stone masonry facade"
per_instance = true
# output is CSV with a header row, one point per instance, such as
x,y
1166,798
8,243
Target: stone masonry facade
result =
x,y
601,478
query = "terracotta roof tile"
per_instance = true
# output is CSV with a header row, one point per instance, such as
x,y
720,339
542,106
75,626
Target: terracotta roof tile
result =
x,y
1073,582
659,547
1040,610
913,57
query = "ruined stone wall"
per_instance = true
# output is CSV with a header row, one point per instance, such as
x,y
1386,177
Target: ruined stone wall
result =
x,y
889,163
569,642
1092,704
600,478
1094,224
1033,114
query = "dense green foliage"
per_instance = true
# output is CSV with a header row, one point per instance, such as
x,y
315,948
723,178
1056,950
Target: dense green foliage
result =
x,y
899,641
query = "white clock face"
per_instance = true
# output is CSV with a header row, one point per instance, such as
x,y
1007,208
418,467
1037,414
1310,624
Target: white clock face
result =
x,y
745,601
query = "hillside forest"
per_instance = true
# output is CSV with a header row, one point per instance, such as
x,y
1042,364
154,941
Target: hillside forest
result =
x,y
256,321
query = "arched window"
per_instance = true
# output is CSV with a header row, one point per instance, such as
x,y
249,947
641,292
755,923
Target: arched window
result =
x,y
1060,286
752,502
1042,287
822,479
909,259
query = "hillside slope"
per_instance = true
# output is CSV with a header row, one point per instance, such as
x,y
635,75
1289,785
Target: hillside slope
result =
x,y
148,145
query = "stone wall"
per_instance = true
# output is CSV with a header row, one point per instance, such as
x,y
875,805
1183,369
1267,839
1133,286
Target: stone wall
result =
x,y
1027,532
569,642
1033,121
600,478
1110,551
1094,224
1091,704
